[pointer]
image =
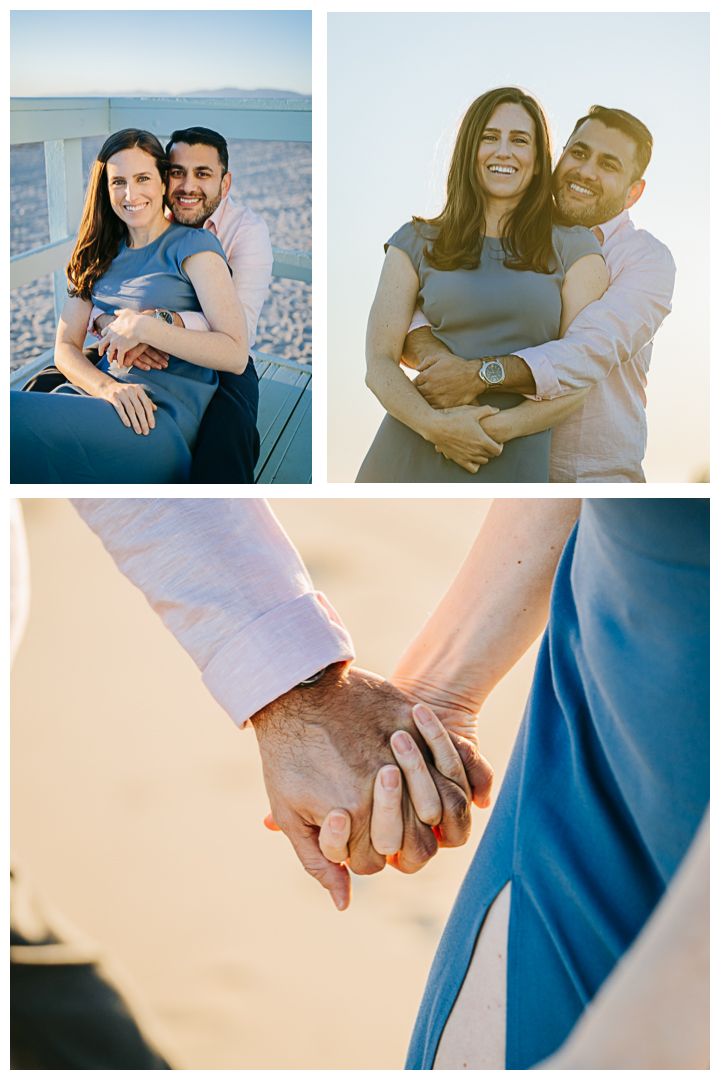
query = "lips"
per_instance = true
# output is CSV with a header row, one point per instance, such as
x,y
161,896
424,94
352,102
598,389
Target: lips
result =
x,y
136,209
580,189
502,170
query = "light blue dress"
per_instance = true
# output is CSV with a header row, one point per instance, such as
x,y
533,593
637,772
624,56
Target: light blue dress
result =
x,y
69,437
608,780
489,311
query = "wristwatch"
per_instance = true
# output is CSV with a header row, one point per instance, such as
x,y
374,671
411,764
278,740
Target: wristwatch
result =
x,y
492,372
163,315
313,678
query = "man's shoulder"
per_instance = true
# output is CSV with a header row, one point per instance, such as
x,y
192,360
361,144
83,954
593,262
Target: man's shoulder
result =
x,y
642,244
237,216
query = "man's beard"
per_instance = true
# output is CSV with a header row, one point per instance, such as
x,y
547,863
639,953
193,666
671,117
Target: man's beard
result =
x,y
604,209
200,214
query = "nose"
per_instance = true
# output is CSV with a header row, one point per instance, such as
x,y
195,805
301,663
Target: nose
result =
x,y
503,148
587,169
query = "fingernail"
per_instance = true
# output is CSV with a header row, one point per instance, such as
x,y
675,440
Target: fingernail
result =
x,y
422,714
402,742
340,904
336,824
389,778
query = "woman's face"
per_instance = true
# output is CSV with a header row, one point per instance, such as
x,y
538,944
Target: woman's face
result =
x,y
136,190
507,158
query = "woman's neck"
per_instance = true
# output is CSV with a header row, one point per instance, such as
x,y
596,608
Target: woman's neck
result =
x,y
497,214
139,238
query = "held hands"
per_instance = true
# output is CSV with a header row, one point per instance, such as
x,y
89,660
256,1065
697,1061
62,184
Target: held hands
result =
x,y
459,436
446,381
121,341
322,747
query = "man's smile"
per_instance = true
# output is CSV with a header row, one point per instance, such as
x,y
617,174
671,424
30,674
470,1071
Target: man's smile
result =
x,y
579,189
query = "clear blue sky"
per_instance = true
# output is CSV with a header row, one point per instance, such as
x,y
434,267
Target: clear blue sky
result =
x,y
397,86
91,52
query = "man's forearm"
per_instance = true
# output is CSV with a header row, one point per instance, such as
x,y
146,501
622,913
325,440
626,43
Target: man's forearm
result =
x,y
496,606
447,380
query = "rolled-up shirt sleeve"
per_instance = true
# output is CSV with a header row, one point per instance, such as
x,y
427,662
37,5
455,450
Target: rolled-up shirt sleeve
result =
x,y
227,582
611,330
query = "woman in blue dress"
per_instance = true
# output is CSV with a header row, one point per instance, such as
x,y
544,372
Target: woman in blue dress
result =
x,y
111,423
608,781
493,275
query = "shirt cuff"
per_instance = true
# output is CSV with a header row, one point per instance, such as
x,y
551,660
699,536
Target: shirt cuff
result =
x,y
194,320
546,381
276,652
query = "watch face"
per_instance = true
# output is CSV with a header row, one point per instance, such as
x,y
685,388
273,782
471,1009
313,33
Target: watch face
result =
x,y
493,372
165,316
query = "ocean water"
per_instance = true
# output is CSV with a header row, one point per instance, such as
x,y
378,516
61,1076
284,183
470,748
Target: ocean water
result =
x,y
273,178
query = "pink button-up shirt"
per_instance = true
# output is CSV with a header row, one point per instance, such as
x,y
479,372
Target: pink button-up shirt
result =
x,y
608,347
245,239
228,583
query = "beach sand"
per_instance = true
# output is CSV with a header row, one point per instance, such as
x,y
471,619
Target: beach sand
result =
x,y
272,178
137,805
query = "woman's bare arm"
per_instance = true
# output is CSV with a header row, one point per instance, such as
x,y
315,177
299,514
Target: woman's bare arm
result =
x,y
461,437
494,609
225,348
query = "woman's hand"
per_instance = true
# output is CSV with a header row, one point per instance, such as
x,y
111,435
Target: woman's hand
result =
x,y
132,405
459,436
122,335
441,795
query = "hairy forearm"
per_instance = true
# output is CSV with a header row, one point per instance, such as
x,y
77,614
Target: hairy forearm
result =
x,y
653,1011
399,396
532,416
496,606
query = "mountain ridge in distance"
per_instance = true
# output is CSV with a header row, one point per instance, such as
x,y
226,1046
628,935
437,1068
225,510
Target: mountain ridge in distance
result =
x,y
225,92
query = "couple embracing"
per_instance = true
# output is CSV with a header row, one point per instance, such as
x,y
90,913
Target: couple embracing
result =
x,y
171,275
528,307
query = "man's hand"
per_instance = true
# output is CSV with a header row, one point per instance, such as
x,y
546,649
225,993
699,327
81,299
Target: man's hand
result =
x,y
446,381
322,747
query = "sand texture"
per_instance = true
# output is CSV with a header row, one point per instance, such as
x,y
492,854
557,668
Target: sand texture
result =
x,y
272,178
138,806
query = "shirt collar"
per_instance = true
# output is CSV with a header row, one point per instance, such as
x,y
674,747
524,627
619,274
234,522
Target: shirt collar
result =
x,y
612,226
213,222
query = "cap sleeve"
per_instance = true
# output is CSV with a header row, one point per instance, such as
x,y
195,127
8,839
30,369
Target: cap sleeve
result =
x,y
195,240
409,240
571,243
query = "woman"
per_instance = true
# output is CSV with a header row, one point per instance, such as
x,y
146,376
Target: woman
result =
x,y
129,258
493,275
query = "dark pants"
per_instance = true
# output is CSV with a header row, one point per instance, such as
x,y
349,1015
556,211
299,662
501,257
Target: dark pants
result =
x,y
228,444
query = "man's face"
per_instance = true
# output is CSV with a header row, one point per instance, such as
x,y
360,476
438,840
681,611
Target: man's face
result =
x,y
195,184
592,181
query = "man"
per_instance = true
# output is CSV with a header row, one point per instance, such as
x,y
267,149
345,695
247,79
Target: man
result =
x,y
608,346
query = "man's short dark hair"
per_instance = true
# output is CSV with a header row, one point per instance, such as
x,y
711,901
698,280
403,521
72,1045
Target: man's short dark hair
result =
x,y
630,126
200,136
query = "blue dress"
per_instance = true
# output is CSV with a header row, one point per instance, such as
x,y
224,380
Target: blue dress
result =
x,y
608,780
69,437
488,311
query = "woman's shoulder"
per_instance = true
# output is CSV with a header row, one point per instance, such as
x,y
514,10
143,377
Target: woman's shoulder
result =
x,y
189,241
573,241
412,237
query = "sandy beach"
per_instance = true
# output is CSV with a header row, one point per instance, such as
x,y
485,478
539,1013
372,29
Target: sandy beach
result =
x,y
137,805
272,178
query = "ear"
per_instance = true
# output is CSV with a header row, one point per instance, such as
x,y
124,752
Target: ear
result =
x,y
226,184
634,193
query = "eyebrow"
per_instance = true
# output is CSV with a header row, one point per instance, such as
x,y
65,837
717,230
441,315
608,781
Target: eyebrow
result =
x,y
195,168
514,131
603,154
119,176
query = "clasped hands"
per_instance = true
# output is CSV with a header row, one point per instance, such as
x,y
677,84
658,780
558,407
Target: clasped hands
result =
x,y
120,340
330,755
451,386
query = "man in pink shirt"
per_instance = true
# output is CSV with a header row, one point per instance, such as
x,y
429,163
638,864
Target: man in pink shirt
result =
x,y
608,346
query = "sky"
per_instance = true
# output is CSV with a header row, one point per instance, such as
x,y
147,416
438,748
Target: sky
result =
x,y
96,52
398,85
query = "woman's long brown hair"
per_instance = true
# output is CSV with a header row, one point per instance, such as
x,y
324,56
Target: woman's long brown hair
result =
x,y
527,234
101,230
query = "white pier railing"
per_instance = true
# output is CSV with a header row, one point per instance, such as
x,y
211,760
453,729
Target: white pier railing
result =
x,y
62,123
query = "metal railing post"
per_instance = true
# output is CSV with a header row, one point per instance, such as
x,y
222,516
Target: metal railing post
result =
x,y
63,171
